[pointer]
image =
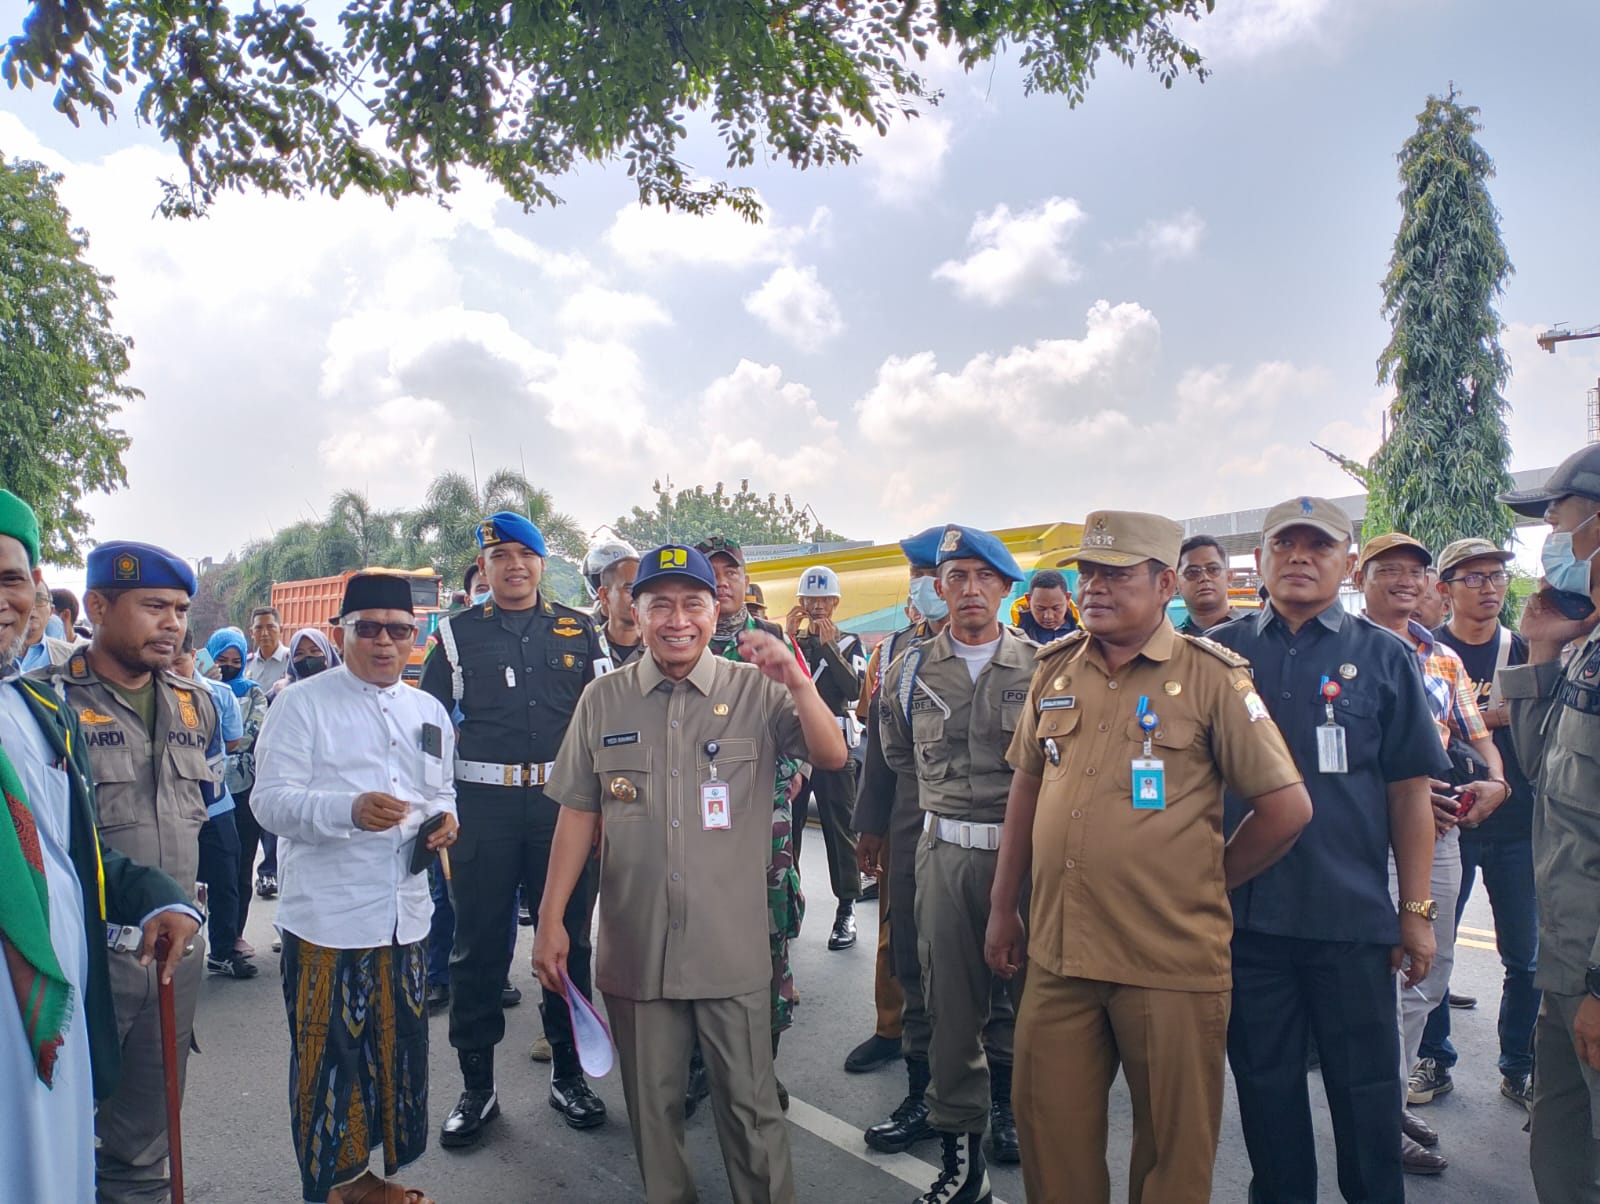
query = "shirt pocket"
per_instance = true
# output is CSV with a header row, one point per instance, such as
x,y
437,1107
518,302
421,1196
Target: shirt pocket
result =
x,y
1168,742
736,765
116,794
627,788
192,773
1571,773
1360,714
928,739
1058,725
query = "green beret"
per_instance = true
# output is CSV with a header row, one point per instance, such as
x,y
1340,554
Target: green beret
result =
x,y
18,521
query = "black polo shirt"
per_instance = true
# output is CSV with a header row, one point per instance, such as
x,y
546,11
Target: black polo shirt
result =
x,y
1333,885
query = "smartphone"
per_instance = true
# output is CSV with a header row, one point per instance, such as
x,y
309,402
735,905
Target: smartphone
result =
x,y
1571,605
432,740
421,854
1464,799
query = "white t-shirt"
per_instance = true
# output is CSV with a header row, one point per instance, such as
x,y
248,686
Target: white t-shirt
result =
x,y
976,655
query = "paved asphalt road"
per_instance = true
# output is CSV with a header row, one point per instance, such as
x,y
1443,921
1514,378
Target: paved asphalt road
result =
x,y
236,1119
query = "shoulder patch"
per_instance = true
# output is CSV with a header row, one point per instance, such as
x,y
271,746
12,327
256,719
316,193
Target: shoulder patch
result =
x,y
78,666
1221,651
1067,643
90,717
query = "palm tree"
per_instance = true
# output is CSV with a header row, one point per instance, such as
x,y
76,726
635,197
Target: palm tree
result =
x,y
444,528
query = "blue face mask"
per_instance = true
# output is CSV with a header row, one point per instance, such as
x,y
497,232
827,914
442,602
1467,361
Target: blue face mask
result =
x,y
926,600
1562,568
480,596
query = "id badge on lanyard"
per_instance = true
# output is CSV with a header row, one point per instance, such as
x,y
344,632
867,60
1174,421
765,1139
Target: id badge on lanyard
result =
x,y
716,801
1332,755
1149,773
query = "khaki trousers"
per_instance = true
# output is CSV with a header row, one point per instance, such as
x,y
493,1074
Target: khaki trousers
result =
x,y
1563,1147
653,1043
886,992
131,1125
1072,1034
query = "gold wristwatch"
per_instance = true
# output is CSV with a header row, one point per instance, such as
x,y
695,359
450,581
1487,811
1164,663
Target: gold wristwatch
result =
x,y
1427,909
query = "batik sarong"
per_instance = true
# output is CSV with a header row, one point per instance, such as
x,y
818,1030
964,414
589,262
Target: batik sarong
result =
x,y
358,1058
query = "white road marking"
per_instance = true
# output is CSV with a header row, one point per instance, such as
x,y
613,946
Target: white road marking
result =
x,y
837,1133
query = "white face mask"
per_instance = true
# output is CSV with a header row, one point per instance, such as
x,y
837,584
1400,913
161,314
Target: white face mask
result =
x,y
927,600
480,596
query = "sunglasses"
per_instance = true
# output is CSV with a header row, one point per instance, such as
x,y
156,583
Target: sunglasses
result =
x,y
368,629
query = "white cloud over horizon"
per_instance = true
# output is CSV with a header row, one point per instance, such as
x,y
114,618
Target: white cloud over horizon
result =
x,y
1015,253
796,306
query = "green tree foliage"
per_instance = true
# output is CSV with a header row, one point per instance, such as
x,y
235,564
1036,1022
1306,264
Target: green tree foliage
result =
x,y
689,515
62,366
262,98
353,534
1436,475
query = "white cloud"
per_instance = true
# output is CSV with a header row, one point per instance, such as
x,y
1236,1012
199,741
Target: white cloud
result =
x,y
1252,29
1176,237
398,436
755,424
597,311
648,236
796,306
906,163
1015,253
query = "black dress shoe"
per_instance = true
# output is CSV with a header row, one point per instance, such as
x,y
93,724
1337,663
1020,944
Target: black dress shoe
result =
x,y
580,1107
1419,1160
699,1088
872,1053
510,995
438,996
1463,1001
1419,1130
844,931
465,1125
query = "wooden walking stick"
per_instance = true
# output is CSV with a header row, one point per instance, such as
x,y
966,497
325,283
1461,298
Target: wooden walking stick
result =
x,y
166,993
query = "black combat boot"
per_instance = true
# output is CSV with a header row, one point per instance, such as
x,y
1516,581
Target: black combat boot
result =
x,y
477,1106
570,1093
907,1124
1003,1145
963,1179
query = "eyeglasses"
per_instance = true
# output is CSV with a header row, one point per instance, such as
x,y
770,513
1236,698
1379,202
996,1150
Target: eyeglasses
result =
x,y
368,629
1478,580
1203,572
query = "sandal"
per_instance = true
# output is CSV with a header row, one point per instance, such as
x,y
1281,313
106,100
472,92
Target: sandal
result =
x,y
369,1189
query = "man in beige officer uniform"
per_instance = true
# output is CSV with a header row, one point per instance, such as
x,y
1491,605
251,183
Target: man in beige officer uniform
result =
x,y
675,751
949,709
1129,734
146,730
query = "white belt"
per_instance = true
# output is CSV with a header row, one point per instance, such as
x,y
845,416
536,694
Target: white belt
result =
x,y
488,773
959,831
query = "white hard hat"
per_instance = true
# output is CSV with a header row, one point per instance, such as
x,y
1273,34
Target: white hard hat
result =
x,y
601,557
818,581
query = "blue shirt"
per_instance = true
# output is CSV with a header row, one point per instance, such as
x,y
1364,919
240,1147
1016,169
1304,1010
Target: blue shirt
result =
x,y
1333,885
230,726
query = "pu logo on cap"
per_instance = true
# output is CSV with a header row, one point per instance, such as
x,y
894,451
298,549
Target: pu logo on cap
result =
x,y
1305,505
486,532
126,568
951,540
674,558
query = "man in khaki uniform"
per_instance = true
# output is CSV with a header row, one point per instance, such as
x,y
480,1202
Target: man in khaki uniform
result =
x,y
146,730
1129,734
675,752
949,709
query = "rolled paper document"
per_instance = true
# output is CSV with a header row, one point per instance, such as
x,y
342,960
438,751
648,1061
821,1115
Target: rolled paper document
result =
x,y
589,1031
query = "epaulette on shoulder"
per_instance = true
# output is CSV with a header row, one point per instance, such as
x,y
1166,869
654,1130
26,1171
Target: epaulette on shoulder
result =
x,y
1221,651
561,608
1064,644
1021,635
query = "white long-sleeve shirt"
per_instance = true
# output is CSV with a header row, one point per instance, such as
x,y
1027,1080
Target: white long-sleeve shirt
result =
x,y
329,739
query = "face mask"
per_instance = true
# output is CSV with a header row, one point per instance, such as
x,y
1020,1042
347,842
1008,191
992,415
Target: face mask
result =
x,y
309,666
480,597
229,672
1562,568
926,599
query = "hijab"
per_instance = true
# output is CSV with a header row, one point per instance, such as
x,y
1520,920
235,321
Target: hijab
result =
x,y
231,637
323,644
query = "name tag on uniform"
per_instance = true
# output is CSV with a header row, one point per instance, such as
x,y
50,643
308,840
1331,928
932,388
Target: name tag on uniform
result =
x,y
715,802
617,738
1149,784
1332,756
1065,703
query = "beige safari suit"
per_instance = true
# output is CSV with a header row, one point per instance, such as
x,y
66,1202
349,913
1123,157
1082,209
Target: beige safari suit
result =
x,y
1130,927
683,945
148,797
959,762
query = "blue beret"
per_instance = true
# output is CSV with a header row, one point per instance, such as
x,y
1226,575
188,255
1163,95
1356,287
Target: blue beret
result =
x,y
674,560
922,549
506,527
969,543
124,565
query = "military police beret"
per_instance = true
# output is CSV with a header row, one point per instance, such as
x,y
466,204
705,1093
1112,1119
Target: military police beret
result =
x,y
506,527
122,564
969,543
922,549
18,520
674,560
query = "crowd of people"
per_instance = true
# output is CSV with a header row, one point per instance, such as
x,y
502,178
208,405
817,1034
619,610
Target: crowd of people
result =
x,y
1101,844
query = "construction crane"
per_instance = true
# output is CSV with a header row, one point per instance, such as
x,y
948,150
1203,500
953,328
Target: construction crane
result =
x,y
1559,334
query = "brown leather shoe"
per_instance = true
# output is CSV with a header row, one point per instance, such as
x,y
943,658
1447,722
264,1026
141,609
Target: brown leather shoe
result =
x,y
1418,1160
1419,1130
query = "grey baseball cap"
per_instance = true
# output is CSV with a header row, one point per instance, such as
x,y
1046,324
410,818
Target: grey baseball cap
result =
x,y
1578,474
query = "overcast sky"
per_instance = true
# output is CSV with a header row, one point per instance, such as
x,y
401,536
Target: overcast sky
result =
x,y
1008,313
